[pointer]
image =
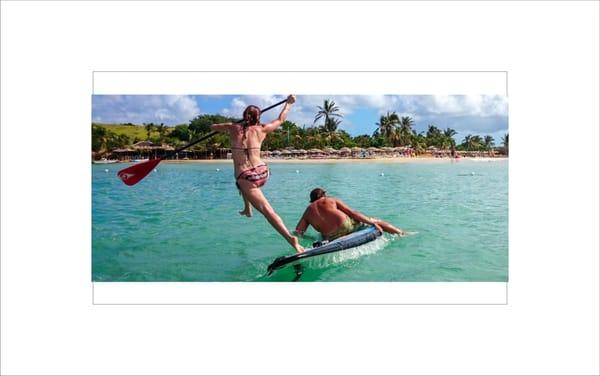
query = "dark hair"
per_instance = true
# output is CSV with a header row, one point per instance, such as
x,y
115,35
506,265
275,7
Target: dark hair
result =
x,y
316,194
251,115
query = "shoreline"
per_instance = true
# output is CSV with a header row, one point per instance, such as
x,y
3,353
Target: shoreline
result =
x,y
340,160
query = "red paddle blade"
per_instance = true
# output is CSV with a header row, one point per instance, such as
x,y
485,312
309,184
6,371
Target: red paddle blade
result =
x,y
133,174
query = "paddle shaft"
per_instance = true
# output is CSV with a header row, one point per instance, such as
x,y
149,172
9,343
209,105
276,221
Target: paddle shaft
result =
x,y
215,132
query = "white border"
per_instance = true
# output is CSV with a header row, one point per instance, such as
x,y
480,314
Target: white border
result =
x,y
323,293
237,82
321,82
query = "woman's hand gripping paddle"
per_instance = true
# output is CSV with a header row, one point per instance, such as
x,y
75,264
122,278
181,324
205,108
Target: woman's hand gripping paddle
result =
x,y
133,174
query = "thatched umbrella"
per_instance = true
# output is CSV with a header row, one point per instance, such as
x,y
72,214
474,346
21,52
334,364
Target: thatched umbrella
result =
x,y
356,149
302,151
329,150
345,150
286,152
276,152
315,151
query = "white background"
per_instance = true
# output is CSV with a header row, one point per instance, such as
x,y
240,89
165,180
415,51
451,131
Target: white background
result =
x,y
551,53
474,83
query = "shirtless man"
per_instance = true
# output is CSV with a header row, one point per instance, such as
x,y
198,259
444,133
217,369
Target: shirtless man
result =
x,y
250,171
333,219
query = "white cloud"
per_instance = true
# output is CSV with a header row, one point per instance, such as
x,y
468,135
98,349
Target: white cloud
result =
x,y
138,109
480,105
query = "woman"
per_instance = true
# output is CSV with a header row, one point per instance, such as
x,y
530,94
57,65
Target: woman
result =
x,y
250,171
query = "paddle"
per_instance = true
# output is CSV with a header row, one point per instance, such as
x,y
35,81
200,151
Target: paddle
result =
x,y
133,174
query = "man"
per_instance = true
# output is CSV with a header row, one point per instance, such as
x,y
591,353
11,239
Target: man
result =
x,y
333,219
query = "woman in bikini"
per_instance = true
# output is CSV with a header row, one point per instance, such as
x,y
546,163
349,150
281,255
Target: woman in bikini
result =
x,y
250,171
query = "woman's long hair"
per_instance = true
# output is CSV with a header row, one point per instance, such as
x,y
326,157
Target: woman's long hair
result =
x,y
251,117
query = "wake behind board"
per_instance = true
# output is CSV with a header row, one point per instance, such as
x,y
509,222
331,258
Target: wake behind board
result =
x,y
352,240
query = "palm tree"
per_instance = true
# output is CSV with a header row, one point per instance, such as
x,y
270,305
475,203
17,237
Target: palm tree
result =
x,y
447,138
468,142
405,130
328,111
387,126
488,142
330,130
149,128
331,125
477,141
418,142
434,135
162,129
505,143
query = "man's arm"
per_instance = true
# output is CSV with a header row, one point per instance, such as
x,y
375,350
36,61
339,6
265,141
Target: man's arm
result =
x,y
353,213
302,225
270,127
222,127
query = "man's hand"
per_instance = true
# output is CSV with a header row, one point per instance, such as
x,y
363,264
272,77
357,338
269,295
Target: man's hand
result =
x,y
378,228
375,222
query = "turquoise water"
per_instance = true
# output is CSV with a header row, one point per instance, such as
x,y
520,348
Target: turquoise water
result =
x,y
181,223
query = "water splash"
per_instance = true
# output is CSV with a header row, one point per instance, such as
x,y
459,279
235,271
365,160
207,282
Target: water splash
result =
x,y
334,258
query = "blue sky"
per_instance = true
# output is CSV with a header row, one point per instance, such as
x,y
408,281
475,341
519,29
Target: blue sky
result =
x,y
478,114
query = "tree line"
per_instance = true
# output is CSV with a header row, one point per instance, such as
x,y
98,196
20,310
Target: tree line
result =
x,y
391,130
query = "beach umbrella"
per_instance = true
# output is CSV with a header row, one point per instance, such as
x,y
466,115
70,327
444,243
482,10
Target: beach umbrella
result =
x,y
373,149
302,151
329,150
276,152
357,149
345,150
286,152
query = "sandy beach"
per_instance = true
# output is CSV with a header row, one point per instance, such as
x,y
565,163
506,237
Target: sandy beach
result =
x,y
346,160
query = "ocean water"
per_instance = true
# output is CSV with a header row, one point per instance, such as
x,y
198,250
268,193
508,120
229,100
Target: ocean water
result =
x,y
181,222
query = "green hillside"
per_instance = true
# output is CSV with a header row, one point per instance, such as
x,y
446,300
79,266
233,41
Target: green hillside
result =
x,y
133,132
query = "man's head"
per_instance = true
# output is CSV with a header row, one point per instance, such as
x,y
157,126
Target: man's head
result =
x,y
252,115
316,194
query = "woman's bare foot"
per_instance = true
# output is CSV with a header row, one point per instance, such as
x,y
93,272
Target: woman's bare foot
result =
x,y
294,242
247,212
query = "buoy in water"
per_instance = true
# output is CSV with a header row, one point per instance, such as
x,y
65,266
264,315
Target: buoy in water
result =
x,y
106,170
382,174
155,170
297,171
472,173
218,169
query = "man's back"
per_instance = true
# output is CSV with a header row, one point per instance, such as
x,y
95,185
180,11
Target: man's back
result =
x,y
324,215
